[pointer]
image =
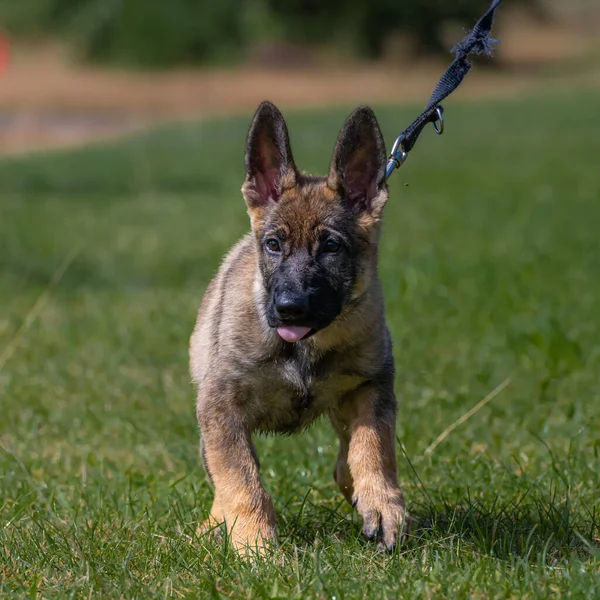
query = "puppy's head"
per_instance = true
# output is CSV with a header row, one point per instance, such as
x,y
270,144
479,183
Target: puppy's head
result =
x,y
316,236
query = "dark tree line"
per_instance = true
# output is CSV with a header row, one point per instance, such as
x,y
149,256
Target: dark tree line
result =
x,y
156,33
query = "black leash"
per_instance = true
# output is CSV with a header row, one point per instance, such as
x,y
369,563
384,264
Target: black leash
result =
x,y
478,41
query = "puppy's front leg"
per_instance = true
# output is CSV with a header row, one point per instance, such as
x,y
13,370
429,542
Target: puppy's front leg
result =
x,y
233,468
366,426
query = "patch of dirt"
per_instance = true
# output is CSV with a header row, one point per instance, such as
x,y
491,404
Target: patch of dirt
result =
x,y
47,102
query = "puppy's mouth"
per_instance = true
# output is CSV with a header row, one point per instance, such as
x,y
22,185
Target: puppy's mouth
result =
x,y
294,333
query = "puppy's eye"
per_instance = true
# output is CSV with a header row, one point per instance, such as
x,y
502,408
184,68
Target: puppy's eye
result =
x,y
272,246
331,246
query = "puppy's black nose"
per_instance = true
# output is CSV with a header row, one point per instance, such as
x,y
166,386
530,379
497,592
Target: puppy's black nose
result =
x,y
290,305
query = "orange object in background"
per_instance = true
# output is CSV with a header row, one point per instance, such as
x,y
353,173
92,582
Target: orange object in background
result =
x,y
4,53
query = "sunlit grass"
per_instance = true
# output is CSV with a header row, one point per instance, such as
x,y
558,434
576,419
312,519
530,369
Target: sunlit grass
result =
x,y
490,261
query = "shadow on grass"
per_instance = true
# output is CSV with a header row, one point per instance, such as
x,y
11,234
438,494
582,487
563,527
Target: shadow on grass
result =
x,y
536,531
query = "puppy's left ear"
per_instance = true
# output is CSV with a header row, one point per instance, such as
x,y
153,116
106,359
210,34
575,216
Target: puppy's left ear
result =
x,y
357,169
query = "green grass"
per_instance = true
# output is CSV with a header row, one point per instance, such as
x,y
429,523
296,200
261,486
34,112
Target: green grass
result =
x,y
491,266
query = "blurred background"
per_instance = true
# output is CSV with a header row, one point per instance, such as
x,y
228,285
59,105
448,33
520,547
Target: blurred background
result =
x,y
72,70
489,261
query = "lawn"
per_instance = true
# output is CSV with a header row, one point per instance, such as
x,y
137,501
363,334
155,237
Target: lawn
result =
x,y
491,266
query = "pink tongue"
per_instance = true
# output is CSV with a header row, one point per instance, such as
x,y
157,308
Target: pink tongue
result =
x,y
290,333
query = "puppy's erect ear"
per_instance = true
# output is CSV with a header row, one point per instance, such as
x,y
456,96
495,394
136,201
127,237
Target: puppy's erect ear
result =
x,y
358,165
269,163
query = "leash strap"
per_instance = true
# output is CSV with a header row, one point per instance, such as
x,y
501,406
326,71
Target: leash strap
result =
x,y
478,41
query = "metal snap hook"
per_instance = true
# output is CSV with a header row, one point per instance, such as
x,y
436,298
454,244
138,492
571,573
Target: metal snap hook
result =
x,y
397,157
438,124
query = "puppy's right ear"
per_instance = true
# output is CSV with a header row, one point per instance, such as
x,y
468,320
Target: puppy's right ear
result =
x,y
270,166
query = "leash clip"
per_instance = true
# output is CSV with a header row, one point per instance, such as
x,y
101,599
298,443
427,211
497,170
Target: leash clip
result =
x,y
397,156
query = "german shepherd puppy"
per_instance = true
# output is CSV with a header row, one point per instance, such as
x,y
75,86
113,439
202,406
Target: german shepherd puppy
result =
x,y
292,327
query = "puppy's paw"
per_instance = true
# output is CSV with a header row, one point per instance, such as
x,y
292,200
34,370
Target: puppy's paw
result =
x,y
384,515
211,527
252,539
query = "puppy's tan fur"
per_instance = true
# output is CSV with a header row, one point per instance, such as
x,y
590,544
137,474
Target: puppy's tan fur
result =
x,y
248,379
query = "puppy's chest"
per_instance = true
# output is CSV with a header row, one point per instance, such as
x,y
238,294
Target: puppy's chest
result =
x,y
294,391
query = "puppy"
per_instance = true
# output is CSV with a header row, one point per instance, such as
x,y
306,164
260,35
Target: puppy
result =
x,y
292,328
